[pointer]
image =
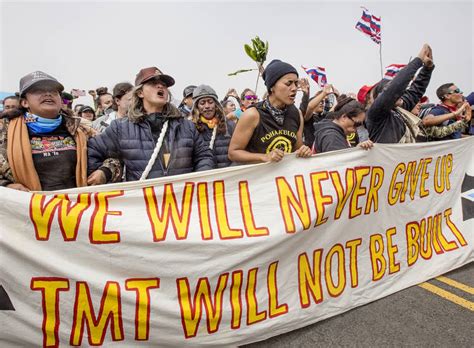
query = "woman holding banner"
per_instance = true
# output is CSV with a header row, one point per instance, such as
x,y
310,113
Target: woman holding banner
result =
x,y
273,127
43,147
154,140
331,133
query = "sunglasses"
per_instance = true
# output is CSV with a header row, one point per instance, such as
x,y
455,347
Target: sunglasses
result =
x,y
250,97
357,124
456,91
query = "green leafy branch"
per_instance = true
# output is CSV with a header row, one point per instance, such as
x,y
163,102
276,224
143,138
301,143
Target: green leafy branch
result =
x,y
240,71
258,53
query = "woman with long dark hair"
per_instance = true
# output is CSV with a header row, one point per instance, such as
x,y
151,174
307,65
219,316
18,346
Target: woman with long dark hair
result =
x,y
331,133
211,122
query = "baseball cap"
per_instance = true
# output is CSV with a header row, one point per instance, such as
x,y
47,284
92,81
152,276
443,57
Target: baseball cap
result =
x,y
86,108
362,94
28,81
188,91
146,74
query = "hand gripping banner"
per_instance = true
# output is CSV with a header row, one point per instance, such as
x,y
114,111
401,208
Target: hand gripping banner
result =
x,y
231,256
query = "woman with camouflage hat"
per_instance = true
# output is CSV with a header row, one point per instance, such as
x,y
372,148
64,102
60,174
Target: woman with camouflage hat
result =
x,y
273,127
209,118
43,147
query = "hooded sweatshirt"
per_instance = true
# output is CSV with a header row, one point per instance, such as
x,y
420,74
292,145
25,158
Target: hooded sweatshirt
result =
x,y
329,137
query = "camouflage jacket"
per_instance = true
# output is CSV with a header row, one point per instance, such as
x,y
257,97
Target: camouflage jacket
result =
x,y
72,124
438,132
415,129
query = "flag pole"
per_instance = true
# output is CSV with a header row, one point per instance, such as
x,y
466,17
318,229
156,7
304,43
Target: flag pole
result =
x,y
380,56
380,52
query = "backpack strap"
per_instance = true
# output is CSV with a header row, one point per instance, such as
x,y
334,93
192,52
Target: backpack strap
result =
x,y
415,129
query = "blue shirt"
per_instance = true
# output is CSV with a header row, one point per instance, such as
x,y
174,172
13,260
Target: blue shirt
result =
x,y
439,110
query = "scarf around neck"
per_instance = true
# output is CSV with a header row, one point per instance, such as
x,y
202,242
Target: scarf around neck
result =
x,y
212,123
156,121
41,125
277,114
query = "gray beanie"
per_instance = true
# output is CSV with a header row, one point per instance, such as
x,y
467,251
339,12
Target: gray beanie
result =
x,y
275,70
204,91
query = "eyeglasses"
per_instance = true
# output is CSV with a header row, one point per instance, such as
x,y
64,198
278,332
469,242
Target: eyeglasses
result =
x,y
251,97
456,91
357,124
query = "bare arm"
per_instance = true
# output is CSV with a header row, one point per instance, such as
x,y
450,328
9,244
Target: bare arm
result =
x,y
301,149
313,104
241,137
432,120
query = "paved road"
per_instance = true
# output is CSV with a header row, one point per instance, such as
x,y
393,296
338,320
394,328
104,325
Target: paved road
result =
x,y
416,316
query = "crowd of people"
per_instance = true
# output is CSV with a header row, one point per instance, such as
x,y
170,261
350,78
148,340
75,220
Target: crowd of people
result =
x,y
137,133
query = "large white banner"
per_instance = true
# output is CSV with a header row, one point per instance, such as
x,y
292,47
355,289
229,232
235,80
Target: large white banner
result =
x,y
232,256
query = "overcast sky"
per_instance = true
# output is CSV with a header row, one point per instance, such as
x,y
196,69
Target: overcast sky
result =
x,y
90,44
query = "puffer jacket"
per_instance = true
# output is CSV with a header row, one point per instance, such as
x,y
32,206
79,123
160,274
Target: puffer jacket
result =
x,y
131,141
220,149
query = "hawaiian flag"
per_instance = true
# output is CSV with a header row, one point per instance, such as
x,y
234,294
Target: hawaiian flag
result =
x,y
392,70
370,25
318,74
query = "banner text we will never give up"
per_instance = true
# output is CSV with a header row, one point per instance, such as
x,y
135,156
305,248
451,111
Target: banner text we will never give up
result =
x,y
236,255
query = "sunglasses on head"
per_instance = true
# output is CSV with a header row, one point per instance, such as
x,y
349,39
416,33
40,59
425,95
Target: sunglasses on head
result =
x,y
250,97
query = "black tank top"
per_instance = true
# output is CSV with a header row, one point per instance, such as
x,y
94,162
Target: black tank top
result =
x,y
268,135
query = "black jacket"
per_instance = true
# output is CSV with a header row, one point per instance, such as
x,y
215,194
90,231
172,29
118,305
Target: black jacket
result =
x,y
220,149
329,137
384,123
131,141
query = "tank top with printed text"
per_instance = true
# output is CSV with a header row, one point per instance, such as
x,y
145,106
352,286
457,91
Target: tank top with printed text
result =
x,y
269,135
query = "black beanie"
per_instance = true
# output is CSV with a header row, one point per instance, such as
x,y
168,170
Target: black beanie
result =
x,y
275,70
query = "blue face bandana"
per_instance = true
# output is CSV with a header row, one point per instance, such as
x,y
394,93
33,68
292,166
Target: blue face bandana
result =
x,y
41,125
